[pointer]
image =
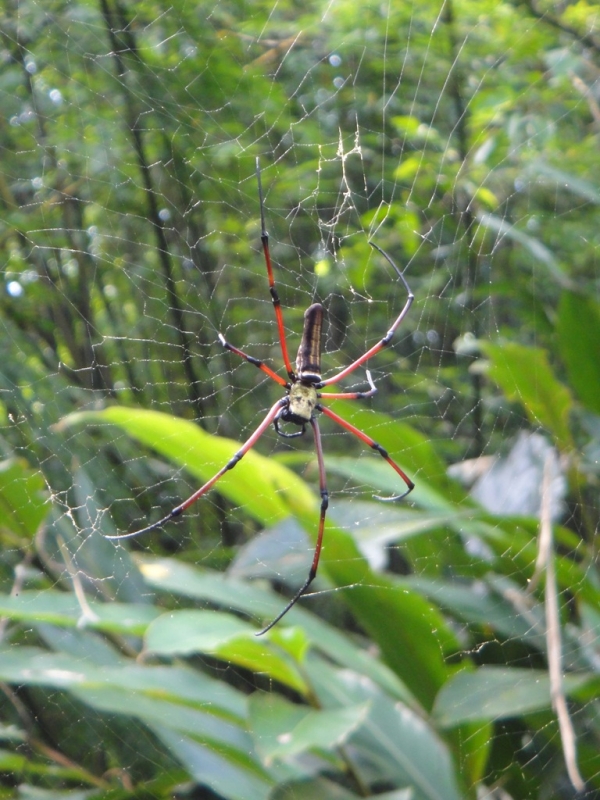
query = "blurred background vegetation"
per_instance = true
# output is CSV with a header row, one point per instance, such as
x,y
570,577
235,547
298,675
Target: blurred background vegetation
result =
x,y
451,648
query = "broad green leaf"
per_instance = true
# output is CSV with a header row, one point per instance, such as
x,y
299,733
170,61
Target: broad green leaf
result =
x,y
182,579
224,636
525,376
62,608
578,330
379,606
282,729
133,685
399,743
203,724
257,483
175,702
215,768
493,693
399,621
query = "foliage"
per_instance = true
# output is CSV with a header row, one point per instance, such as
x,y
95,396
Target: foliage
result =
x,y
462,138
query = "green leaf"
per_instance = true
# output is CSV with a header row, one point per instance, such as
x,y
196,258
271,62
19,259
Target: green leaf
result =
x,y
493,693
400,621
167,685
182,579
200,719
578,329
224,636
258,484
525,376
62,608
22,502
379,605
214,768
282,729
399,742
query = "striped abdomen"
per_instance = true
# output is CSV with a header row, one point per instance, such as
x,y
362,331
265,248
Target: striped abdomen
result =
x,y
308,362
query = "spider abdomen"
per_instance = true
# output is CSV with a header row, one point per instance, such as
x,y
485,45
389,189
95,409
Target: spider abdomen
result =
x,y
308,361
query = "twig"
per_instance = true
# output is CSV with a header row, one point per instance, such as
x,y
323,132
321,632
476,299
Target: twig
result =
x,y
553,642
87,615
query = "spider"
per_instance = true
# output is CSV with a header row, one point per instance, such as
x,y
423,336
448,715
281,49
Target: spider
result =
x,y
301,402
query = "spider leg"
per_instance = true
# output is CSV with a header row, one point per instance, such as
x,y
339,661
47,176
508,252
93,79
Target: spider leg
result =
x,y
317,554
388,337
372,443
352,395
283,433
264,237
255,361
248,444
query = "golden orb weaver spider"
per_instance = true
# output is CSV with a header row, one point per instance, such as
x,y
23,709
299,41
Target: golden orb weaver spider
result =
x,y
301,402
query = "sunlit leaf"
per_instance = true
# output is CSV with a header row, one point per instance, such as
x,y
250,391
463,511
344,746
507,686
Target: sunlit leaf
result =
x,y
224,636
257,483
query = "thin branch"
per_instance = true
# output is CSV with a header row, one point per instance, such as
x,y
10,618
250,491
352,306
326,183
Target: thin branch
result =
x,y
123,42
87,615
587,39
553,641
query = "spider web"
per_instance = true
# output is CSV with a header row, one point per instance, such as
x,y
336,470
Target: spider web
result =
x,y
458,137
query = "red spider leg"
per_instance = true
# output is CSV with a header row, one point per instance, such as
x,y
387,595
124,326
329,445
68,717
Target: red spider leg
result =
x,y
255,361
317,553
372,443
351,395
248,444
264,237
388,337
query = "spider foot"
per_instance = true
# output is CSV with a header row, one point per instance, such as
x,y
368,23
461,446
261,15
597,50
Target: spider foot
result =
x,y
153,527
396,497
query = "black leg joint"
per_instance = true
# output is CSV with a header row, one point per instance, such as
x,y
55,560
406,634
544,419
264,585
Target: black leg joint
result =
x,y
387,338
275,296
233,460
381,450
324,499
176,512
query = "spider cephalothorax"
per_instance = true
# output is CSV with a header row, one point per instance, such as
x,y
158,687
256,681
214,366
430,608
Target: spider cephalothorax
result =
x,y
301,402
